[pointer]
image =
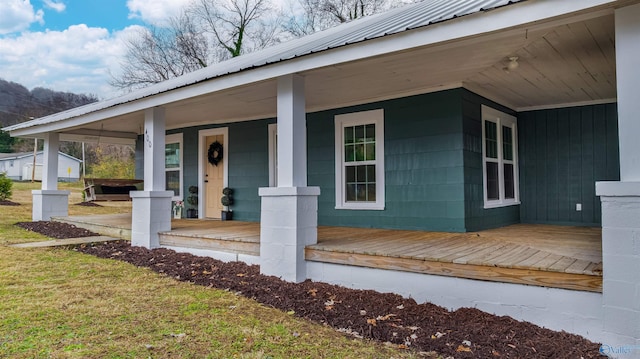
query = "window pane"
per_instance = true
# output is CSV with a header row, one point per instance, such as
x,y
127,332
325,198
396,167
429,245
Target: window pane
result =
x,y
370,150
351,192
173,182
361,183
491,139
361,174
493,192
360,152
371,133
351,174
359,134
371,192
172,155
371,173
349,153
509,183
348,135
507,143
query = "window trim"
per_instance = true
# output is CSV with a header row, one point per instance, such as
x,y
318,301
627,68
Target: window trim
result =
x,y
500,119
355,119
169,139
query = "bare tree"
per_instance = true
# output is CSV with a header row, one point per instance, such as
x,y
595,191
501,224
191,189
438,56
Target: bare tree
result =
x,y
206,31
158,54
316,15
237,26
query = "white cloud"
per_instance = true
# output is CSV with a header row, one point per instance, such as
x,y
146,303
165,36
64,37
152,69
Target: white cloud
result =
x,y
155,12
78,59
58,6
17,15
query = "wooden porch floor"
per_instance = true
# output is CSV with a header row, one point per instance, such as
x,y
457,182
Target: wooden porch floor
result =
x,y
542,255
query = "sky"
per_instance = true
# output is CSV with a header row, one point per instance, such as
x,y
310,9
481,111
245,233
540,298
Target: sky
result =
x,y
72,45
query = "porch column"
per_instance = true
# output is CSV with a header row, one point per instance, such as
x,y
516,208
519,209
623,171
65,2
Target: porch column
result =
x,y
49,201
289,212
621,200
151,212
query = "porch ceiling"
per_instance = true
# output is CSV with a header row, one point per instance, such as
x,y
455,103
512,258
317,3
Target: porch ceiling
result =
x,y
570,61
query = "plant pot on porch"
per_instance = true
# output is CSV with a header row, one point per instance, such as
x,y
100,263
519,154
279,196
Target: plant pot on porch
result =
x,y
226,215
192,213
227,201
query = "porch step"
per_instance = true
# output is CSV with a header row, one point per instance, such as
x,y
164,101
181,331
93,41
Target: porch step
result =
x,y
118,226
222,242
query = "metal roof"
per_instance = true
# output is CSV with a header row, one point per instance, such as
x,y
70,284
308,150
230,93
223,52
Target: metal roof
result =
x,y
413,16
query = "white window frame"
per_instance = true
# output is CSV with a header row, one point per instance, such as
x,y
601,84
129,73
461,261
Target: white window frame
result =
x,y
355,119
176,138
500,119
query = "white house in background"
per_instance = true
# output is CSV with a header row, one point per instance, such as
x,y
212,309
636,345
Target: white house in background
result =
x,y
440,115
19,166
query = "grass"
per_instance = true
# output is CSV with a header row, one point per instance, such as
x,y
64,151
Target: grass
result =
x,y
58,303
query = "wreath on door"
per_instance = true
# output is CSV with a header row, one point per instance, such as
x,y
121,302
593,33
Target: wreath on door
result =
x,y
215,153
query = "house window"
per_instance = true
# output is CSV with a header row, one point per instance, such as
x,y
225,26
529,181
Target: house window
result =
x,y
500,158
173,165
359,139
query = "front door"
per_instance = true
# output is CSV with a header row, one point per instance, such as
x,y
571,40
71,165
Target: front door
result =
x,y
214,179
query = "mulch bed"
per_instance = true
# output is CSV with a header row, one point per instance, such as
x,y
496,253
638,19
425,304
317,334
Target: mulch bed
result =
x,y
56,229
464,333
8,203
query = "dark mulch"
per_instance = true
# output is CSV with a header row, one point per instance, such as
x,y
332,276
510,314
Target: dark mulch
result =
x,y
6,202
56,229
88,204
464,333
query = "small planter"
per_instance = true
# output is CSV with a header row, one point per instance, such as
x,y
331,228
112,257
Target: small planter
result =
x,y
177,213
226,215
192,213
227,201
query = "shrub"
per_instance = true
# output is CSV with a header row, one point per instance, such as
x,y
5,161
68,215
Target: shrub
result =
x,y
5,187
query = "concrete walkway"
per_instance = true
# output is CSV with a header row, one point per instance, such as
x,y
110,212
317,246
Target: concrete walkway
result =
x,y
65,242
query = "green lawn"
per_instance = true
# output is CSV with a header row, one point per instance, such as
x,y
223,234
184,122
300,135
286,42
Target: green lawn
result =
x,y
57,303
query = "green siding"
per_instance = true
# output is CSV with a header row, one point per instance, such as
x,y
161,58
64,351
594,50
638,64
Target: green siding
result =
x,y
476,216
424,173
563,152
248,166
433,164
247,153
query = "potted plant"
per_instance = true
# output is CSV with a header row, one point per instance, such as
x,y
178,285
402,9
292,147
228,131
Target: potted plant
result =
x,y
192,200
227,202
177,209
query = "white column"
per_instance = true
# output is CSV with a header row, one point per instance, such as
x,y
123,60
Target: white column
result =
x,y
621,201
49,202
292,132
628,79
151,208
289,212
154,133
50,158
